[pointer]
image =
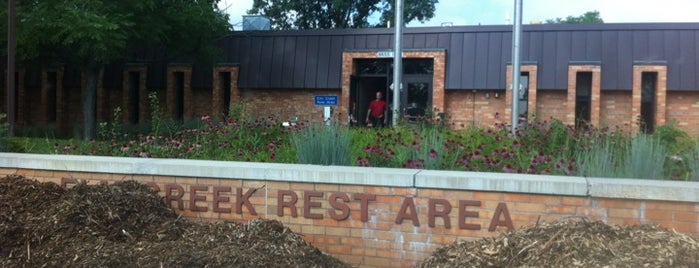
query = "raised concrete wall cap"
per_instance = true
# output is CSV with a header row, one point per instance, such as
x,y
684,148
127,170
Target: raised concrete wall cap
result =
x,y
212,169
502,182
684,191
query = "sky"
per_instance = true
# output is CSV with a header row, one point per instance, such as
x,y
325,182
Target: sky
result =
x,y
496,12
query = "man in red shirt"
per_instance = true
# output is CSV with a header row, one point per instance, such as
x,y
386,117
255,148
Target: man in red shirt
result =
x,y
376,115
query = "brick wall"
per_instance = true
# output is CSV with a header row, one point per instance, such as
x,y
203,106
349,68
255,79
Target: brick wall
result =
x,y
615,109
385,226
483,108
683,106
286,104
552,104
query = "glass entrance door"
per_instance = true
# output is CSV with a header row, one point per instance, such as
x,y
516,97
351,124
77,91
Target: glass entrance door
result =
x,y
416,97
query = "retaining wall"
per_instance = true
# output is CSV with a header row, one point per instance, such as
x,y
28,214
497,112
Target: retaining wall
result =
x,y
377,217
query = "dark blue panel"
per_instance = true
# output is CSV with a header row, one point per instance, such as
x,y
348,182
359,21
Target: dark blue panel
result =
x,y
408,41
563,45
300,62
287,73
277,63
360,42
611,58
640,45
264,73
444,40
386,41
624,72
432,41
312,56
506,51
323,61
251,59
536,46
656,45
579,46
548,61
372,41
419,41
348,42
687,62
455,52
494,61
335,75
671,46
594,46
468,65
482,46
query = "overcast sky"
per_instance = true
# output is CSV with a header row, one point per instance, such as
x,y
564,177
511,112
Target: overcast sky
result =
x,y
490,12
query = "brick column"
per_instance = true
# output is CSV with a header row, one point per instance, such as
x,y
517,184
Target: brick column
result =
x,y
595,92
218,94
660,93
171,95
142,98
533,70
21,97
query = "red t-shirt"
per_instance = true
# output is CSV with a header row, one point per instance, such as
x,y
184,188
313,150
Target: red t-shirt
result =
x,y
377,107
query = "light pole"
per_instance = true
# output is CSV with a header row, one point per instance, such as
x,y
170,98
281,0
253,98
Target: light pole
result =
x,y
397,62
516,37
11,43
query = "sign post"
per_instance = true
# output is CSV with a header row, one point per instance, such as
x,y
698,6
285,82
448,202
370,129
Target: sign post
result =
x,y
327,101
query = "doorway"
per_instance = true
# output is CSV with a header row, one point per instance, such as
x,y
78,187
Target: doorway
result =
x,y
372,75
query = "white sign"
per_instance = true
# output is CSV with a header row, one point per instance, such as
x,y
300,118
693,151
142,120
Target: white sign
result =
x,y
384,54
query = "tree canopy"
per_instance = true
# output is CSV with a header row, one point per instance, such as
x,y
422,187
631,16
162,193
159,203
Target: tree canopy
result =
x,y
328,14
90,33
588,17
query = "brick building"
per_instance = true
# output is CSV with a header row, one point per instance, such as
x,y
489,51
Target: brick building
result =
x,y
636,76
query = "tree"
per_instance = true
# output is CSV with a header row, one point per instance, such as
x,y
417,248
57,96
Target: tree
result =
x,y
328,14
588,17
91,33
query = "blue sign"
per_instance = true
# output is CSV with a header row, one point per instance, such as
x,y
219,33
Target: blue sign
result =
x,y
326,100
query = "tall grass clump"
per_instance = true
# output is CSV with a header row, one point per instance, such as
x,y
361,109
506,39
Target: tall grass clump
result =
x,y
644,159
693,160
323,145
597,160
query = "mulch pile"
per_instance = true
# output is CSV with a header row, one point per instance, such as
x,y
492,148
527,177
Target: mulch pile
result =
x,y
128,225
573,242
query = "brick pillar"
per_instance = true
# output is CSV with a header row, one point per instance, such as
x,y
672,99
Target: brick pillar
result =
x,y
533,70
660,93
438,82
172,96
218,94
48,100
62,120
102,99
595,92
142,98
21,104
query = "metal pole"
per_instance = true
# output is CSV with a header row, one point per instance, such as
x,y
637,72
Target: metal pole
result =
x,y
11,43
397,62
516,38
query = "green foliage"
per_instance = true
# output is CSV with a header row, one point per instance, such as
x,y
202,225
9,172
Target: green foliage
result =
x,y
597,161
676,140
693,161
155,113
323,145
327,14
588,17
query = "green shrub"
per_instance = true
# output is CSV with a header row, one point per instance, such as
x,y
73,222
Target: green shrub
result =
x,y
644,159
